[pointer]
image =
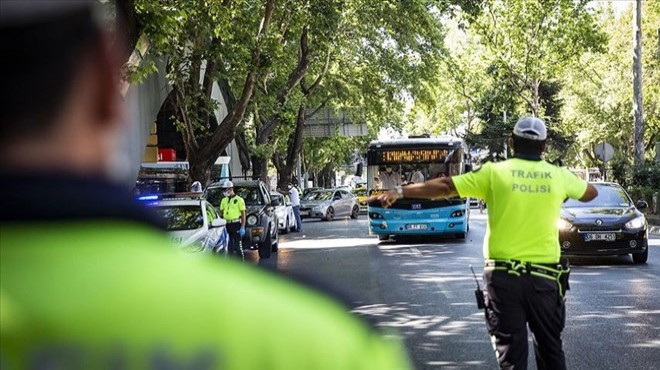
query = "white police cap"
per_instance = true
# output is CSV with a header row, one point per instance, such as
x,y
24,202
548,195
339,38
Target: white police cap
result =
x,y
531,128
227,184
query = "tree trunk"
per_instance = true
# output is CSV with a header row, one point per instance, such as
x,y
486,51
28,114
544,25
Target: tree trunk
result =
x,y
260,169
224,133
295,147
536,102
637,84
328,177
199,170
128,26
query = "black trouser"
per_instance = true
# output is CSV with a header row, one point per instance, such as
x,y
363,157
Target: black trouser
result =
x,y
235,243
512,302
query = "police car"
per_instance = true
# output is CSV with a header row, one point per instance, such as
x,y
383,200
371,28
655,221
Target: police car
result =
x,y
192,222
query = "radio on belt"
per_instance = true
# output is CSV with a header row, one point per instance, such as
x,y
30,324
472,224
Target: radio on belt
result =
x,y
478,293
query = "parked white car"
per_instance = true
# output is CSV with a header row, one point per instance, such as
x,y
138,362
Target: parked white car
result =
x,y
193,224
286,220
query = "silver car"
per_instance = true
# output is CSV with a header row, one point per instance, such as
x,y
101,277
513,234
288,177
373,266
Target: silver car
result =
x,y
329,203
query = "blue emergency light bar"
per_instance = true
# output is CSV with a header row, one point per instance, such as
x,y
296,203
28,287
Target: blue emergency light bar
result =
x,y
148,197
172,196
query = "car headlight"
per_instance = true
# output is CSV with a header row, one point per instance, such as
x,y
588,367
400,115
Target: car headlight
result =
x,y
564,225
636,223
252,220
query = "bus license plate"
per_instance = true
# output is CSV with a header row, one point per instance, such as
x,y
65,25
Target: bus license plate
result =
x,y
608,237
416,226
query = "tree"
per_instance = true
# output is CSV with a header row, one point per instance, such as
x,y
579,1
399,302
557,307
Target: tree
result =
x,y
533,41
598,90
207,43
363,70
638,105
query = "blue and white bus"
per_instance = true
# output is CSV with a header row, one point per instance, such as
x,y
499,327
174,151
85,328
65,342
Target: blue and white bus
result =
x,y
405,161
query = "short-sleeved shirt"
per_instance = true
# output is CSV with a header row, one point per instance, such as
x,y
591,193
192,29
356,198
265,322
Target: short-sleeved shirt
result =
x,y
295,197
232,207
389,180
524,204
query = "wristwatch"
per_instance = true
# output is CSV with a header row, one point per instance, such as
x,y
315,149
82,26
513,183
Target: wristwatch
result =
x,y
399,191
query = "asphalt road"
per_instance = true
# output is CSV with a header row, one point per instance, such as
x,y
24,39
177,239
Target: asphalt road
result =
x,y
423,289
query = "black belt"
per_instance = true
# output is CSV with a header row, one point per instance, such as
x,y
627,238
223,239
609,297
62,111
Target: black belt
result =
x,y
554,271
233,221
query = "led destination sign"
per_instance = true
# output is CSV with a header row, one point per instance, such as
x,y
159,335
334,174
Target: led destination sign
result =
x,y
411,156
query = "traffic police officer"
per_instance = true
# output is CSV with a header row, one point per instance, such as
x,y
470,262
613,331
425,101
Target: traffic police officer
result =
x,y
87,279
525,281
232,209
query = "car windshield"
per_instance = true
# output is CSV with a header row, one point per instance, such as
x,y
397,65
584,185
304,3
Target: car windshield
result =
x,y
181,217
319,195
361,192
249,194
277,198
608,196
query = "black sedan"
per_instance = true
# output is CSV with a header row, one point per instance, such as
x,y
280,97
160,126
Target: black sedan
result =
x,y
610,224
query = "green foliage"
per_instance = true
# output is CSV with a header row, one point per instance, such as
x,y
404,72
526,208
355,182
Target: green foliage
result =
x,y
598,88
641,180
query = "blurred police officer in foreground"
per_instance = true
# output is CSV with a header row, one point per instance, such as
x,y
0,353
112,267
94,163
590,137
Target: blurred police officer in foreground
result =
x,y
88,281
232,209
525,279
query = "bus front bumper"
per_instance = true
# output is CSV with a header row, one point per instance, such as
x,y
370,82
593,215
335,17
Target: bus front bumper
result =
x,y
436,226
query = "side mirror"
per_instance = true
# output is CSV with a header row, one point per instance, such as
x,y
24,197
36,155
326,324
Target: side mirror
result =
x,y
641,204
468,168
218,222
274,203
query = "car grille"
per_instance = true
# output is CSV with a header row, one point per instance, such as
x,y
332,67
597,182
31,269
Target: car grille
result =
x,y
589,228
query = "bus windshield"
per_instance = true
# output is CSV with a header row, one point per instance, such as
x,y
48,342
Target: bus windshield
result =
x,y
411,161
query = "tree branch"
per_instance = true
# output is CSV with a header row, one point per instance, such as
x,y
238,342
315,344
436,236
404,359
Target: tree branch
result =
x,y
225,131
294,78
325,102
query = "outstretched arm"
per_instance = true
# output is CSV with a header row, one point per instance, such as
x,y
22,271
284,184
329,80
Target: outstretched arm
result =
x,y
431,189
589,194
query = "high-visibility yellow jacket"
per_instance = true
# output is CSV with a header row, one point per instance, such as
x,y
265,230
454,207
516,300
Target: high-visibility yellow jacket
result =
x,y
110,293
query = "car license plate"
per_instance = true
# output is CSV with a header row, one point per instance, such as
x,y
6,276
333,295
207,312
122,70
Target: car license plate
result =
x,y
304,213
416,226
608,237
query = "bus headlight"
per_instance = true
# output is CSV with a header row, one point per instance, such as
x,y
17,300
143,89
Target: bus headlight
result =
x,y
564,225
458,213
636,223
375,215
252,220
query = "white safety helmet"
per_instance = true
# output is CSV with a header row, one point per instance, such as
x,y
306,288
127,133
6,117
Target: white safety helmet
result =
x,y
196,187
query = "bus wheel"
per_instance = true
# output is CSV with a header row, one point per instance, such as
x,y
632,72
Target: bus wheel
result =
x,y
383,237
